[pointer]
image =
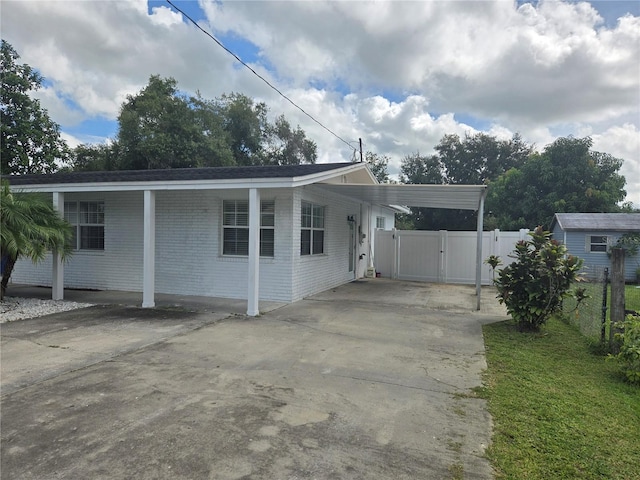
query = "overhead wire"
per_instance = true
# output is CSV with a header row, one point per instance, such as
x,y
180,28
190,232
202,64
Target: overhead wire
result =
x,y
260,76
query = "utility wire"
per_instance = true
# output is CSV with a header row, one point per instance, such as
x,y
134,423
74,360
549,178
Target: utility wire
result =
x,y
259,76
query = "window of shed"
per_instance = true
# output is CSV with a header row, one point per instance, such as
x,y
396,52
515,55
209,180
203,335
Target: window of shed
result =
x,y
598,243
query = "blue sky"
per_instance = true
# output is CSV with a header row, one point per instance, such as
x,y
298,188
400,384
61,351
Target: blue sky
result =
x,y
399,75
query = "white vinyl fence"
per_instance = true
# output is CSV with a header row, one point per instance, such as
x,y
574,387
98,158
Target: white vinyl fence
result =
x,y
443,256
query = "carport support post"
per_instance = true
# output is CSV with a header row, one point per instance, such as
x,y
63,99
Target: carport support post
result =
x,y
57,274
149,250
254,253
479,248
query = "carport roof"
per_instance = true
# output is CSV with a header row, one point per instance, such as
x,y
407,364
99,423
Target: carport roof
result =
x,y
464,197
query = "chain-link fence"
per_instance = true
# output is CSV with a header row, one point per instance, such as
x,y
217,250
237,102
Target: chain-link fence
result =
x,y
590,314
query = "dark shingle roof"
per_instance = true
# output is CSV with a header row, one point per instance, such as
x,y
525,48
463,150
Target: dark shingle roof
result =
x,y
176,174
614,222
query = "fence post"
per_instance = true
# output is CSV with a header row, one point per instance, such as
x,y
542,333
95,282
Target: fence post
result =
x,y
617,294
605,289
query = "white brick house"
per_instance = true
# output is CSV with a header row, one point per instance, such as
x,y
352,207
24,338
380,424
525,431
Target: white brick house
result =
x,y
270,232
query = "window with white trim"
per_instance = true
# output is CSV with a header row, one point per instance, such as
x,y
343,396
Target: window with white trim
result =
x,y
312,229
597,243
235,220
87,218
380,222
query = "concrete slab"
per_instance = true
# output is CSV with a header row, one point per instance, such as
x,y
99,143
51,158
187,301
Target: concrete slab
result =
x,y
338,386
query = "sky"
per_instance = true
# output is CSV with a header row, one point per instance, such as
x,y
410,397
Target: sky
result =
x,y
397,74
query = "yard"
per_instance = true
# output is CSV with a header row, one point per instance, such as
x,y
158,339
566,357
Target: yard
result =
x,y
559,411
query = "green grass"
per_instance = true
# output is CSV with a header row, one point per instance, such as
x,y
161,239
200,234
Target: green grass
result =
x,y
559,411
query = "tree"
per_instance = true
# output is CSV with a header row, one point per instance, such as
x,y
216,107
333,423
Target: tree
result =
x,y
87,157
533,286
378,164
31,141
246,124
479,158
30,227
565,177
161,128
285,146
473,160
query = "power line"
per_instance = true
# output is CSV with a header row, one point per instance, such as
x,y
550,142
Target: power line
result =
x,y
258,75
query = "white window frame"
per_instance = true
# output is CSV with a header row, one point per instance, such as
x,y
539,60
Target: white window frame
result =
x,y
86,220
235,218
381,222
602,246
312,229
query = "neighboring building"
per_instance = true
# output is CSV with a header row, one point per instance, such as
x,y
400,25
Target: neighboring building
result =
x,y
591,235
276,233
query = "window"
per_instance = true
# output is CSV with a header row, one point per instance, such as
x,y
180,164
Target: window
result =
x,y
88,220
236,228
312,231
380,222
597,243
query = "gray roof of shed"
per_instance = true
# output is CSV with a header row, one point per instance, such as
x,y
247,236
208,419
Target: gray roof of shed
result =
x,y
614,222
172,174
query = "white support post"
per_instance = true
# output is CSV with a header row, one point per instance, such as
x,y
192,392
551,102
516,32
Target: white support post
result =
x,y
253,293
479,248
149,250
57,274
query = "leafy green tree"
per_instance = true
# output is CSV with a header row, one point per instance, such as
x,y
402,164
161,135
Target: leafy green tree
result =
x,y
532,287
29,227
480,158
101,157
245,121
565,177
286,146
30,141
214,147
378,164
160,128
472,160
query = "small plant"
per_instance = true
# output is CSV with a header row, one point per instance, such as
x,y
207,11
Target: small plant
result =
x,y
534,285
629,356
493,261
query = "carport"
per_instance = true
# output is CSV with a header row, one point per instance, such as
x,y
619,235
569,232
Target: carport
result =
x,y
455,197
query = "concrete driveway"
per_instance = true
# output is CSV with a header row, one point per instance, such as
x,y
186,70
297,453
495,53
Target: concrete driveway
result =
x,y
366,381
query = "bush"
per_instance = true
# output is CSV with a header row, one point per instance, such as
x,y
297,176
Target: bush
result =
x,y
629,355
533,286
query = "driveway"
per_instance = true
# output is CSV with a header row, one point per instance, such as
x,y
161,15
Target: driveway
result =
x,y
366,381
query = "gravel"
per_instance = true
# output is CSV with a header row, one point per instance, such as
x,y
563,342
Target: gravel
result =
x,y
17,308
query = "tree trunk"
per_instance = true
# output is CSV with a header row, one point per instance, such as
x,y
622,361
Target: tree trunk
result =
x,y
6,274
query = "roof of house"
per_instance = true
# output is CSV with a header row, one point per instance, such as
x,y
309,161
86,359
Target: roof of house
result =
x,y
173,174
613,222
350,179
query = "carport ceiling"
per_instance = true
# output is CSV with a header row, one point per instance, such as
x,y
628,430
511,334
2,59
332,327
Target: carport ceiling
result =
x,y
463,197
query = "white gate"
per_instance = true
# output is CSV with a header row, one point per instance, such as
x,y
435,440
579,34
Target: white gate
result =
x,y
443,256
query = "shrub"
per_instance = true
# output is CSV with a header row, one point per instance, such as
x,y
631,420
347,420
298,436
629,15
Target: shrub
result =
x,y
629,356
533,286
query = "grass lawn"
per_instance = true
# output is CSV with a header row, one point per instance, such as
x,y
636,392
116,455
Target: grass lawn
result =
x,y
559,411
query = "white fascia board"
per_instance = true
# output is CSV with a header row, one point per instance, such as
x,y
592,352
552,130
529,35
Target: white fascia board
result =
x,y
170,185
